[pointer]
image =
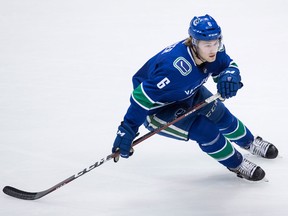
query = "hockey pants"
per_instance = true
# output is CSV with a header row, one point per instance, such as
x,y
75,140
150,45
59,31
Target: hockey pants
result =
x,y
213,128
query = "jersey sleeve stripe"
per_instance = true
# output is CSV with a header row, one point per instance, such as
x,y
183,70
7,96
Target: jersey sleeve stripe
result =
x,y
142,99
233,65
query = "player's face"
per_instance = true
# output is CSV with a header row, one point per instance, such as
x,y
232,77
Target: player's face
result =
x,y
208,49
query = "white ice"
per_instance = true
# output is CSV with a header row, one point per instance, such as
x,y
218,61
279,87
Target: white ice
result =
x,y
65,82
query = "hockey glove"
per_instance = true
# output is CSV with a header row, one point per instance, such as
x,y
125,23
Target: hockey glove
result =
x,y
123,141
229,83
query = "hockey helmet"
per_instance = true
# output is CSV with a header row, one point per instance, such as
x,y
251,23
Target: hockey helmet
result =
x,y
204,28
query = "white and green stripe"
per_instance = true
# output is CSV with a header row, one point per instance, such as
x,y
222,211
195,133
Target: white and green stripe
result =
x,y
172,130
231,65
238,133
224,153
142,99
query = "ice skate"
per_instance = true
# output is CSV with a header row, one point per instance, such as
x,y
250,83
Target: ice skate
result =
x,y
249,171
263,148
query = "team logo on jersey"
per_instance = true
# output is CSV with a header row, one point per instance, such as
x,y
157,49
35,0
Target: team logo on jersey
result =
x,y
182,65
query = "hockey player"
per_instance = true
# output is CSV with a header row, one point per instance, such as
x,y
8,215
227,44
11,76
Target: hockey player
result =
x,y
173,80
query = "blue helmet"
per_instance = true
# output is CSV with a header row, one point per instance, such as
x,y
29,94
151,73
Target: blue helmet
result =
x,y
204,28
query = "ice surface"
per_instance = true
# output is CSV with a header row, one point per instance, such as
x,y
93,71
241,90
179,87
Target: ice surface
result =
x,y
65,81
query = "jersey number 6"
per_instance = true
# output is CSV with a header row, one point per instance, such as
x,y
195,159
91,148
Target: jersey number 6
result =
x,y
163,83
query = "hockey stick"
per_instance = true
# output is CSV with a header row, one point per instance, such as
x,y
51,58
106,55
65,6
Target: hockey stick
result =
x,y
20,194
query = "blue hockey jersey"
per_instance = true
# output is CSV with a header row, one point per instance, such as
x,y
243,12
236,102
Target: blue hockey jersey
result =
x,y
168,77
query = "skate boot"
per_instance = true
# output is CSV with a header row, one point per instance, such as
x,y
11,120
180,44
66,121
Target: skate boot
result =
x,y
263,148
249,171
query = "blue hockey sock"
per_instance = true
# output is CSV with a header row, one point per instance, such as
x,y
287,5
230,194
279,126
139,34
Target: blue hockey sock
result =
x,y
238,133
234,130
223,151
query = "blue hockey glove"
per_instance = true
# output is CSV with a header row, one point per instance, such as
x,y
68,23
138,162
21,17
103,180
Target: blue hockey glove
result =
x,y
123,141
229,83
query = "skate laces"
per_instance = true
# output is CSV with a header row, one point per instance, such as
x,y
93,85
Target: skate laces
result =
x,y
259,146
246,168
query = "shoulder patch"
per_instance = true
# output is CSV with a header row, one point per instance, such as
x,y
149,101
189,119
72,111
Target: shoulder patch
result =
x,y
182,65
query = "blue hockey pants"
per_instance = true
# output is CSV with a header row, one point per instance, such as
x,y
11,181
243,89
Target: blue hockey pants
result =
x,y
213,127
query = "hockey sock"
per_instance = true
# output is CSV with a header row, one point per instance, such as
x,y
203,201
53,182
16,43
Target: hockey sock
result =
x,y
238,133
223,151
234,130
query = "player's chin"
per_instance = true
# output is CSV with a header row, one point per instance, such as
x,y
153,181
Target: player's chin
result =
x,y
211,58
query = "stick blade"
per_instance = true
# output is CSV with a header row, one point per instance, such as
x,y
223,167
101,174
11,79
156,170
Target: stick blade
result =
x,y
14,192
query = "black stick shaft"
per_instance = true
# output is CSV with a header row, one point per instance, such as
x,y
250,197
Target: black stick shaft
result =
x,y
20,194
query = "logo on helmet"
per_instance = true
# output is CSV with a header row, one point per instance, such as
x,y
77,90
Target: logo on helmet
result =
x,y
196,21
213,35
